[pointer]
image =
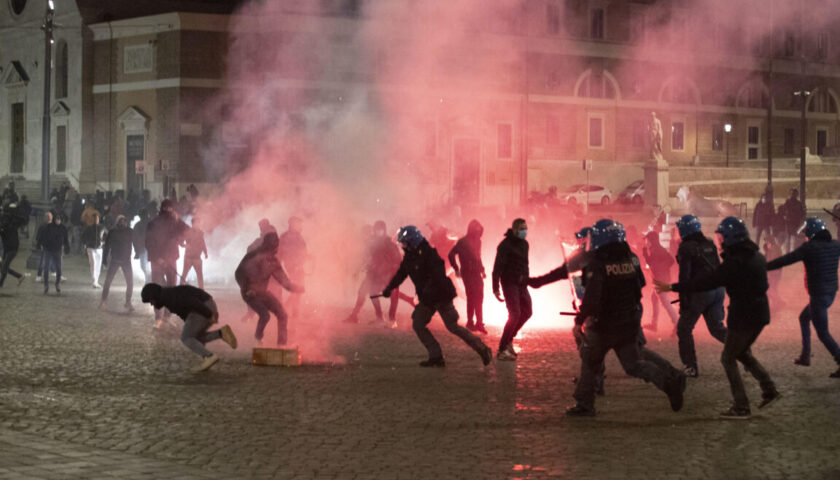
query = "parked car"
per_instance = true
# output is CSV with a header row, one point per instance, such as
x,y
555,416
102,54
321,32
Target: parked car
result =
x,y
593,193
633,193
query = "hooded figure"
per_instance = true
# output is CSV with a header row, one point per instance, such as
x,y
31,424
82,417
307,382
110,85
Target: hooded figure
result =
x,y
471,270
382,262
163,236
254,272
510,270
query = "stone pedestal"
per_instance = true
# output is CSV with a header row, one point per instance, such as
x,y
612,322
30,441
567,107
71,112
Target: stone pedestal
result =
x,y
656,181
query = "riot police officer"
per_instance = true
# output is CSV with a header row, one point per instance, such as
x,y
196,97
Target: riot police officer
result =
x,y
697,255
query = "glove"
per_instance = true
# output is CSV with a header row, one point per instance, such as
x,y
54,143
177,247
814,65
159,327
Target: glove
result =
x,y
577,331
386,293
534,282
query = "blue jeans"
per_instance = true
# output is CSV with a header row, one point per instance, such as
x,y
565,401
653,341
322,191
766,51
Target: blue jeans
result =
x,y
816,312
52,261
195,333
710,305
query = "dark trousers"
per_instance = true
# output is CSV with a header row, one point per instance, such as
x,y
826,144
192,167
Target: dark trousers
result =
x,y
265,304
372,285
5,267
128,274
421,317
41,264
474,288
760,229
52,261
816,312
518,302
736,349
628,348
710,305
165,274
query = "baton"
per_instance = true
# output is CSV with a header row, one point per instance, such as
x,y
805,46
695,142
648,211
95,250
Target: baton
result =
x,y
831,213
376,296
675,301
570,314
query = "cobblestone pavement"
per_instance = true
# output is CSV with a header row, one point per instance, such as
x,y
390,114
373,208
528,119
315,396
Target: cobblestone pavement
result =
x,y
87,393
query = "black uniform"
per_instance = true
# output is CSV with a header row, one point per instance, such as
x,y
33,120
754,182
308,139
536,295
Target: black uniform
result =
x,y
698,255
10,222
163,236
610,314
511,271
118,243
435,292
744,274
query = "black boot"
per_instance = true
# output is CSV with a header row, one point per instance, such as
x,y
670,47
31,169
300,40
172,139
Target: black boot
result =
x,y
433,362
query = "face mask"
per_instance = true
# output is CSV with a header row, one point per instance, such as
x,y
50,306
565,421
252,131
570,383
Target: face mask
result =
x,y
523,233
763,200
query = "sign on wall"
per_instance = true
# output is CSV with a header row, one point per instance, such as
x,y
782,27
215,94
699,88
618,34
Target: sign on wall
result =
x,y
138,58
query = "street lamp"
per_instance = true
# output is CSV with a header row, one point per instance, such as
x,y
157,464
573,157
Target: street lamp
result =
x,y
727,127
45,123
803,141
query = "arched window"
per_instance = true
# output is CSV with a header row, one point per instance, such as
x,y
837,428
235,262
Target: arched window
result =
x,y
753,95
594,84
679,90
61,67
822,101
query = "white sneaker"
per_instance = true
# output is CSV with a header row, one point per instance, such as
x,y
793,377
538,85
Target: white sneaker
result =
x,y
39,279
505,356
96,285
228,337
206,364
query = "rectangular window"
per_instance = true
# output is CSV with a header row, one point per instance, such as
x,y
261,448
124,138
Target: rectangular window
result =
x,y
678,136
789,136
717,137
822,141
60,148
596,29
505,141
822,45
18,138
552,19
596,132
639,134
552,130
752,142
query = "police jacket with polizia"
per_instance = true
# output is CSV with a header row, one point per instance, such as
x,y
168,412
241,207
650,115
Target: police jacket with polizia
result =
x,y
821,256
511,265
118,243
613,279
428,273
184,299
744,274
697,255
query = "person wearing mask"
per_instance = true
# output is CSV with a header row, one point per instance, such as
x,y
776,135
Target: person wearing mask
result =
x,y
510,271
659,261
52,240
435,291
743,273
821,256
163,236
610,319
117,255
92,237
471,272
383,261
696,257
253,274
199,312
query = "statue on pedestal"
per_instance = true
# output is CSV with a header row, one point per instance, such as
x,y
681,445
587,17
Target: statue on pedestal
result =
x,y
655,136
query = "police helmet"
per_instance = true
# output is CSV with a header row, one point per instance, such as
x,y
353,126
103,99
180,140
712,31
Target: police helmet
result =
x,y
605,232
812,227
410,237
733,230
688,225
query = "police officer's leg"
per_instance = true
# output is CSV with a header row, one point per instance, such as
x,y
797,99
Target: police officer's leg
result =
x,y
756,369
420,319
714,314
819,317
450,319
629,354
512,300
689,314
592,351
805,328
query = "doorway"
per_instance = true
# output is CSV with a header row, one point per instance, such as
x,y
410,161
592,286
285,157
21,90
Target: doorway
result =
x,y
466,172
18,138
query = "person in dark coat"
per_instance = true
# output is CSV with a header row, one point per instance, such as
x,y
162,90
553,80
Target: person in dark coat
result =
x,y
293,255
794,214
471,271
659,261
821,256
117,255
510,271
743,273
435,291
763,218
383,261
253,274
199,312
92,239
52,240
163,236
10,222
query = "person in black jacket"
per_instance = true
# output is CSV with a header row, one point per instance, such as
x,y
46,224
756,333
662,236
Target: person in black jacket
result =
x,y
696,256
471,271
53,239
794,212
510,269
253,274
744,274
163,236
763,217
118,242
435,291
10,221
198,310
821,256
610,319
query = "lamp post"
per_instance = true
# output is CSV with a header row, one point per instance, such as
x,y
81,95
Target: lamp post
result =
x,y
727,127
45,122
